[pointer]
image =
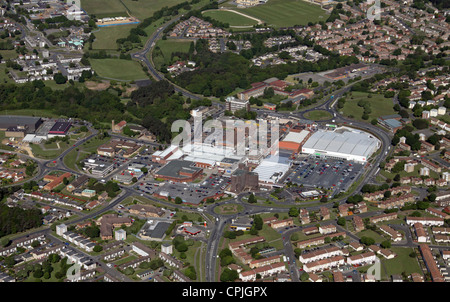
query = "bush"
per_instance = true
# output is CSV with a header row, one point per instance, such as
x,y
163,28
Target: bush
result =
x,y
98,248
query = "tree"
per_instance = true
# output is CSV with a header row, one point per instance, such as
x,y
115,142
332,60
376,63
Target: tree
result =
x,y
191,273
9,261
178,200
98,248
59,78
304,277
35,244
420,123
5,242
181,247
268,93
293,212
252,198
38,273
341,221
386,244
367,240
258,222
228,275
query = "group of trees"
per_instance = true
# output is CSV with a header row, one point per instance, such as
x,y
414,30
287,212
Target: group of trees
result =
x,y
155,102
71,102
110,187
412,140
221,73
14,220
45,269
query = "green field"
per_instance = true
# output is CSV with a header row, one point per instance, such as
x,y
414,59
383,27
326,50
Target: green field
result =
x,y
142,9
106,37
49,151
378,103
403,173
104,8
282,13
167,48
29,112
118,69
318,115
229,17
401,263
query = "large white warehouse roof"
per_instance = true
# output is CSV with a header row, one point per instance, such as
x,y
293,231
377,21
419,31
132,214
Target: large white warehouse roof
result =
x,y
342,143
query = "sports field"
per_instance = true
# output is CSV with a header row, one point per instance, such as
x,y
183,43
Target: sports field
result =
x,y
283,13
142,9
118,69
230,17
105,37
104,8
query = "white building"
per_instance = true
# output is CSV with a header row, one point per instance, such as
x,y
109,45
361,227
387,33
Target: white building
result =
x,y
120,234
342,143
433,112
167,248
362,259
428,221
446,176
61,229
324,264
320,254
272,169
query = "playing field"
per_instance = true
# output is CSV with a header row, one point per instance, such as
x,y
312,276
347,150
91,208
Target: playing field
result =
x,y
283,13
142,9
104,8
106,37
117,69
230,17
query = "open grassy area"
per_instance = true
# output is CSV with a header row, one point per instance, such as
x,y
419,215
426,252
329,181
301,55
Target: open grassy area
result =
x,y
105,37
92,144
104,8
142,9
402,263
126,70
403,173
39,150
167,47
273,238
369,233
228,209
281,13
29,112
378,104
229,17
318,115
73,157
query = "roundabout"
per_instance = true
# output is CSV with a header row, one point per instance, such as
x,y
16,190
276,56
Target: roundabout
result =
x,y
318,115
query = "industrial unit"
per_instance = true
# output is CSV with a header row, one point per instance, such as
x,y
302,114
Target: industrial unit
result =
x,y
342,143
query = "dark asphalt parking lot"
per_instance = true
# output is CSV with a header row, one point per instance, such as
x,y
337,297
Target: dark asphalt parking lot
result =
x,y
325,173
191,193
